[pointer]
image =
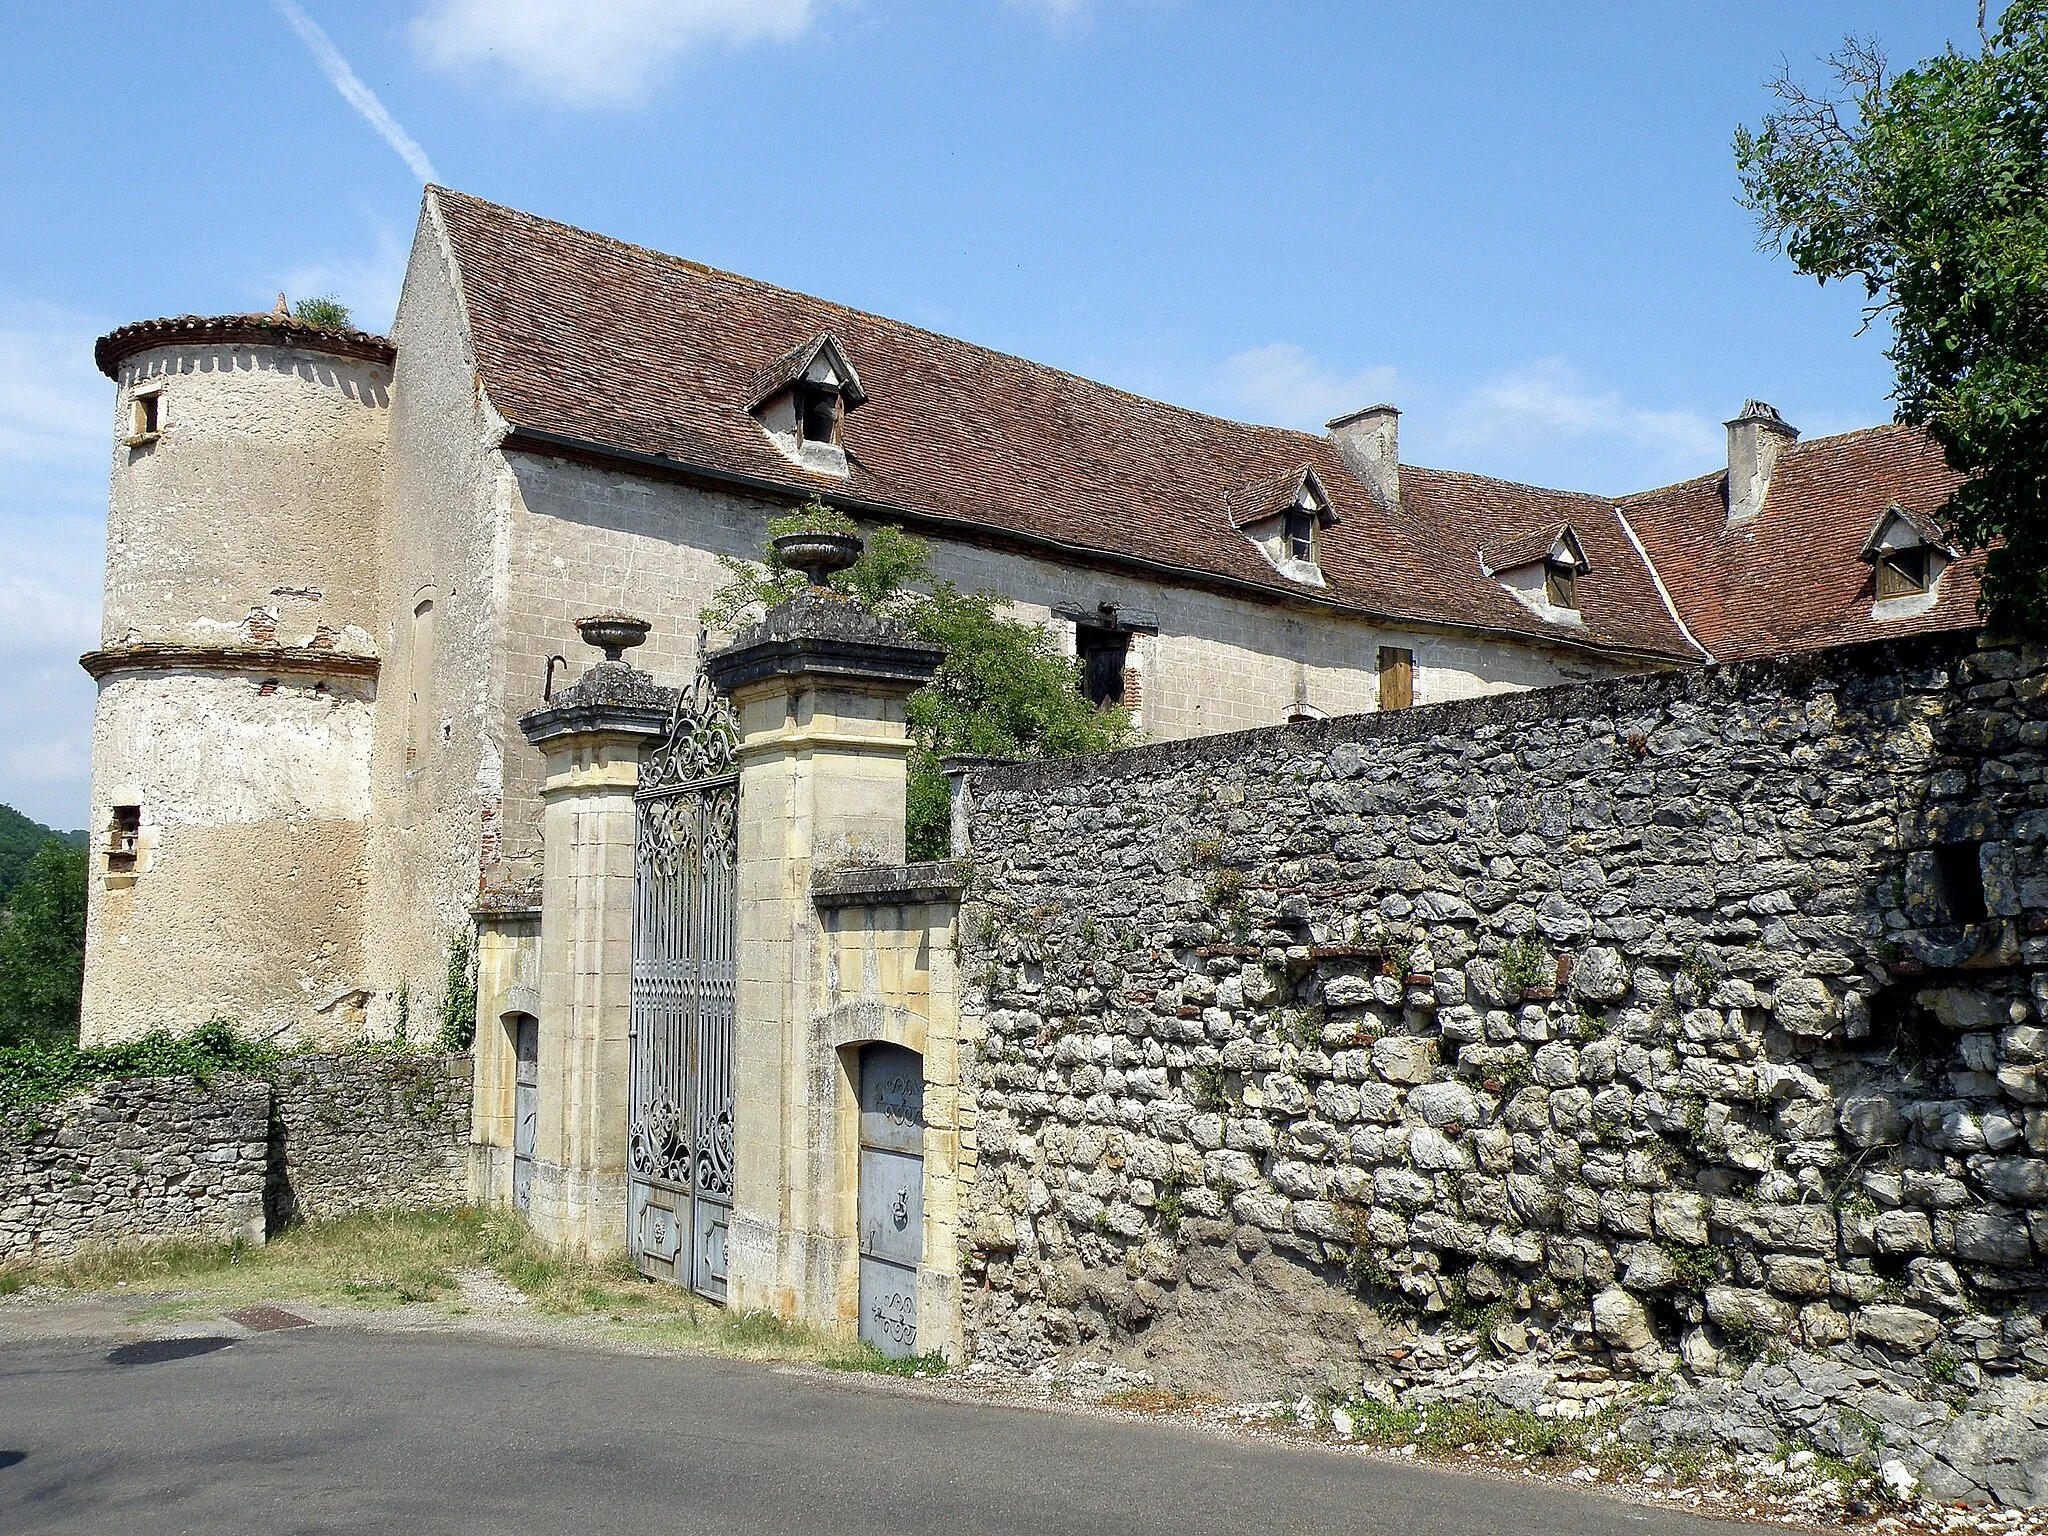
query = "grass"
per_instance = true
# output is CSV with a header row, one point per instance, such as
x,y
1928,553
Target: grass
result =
x,y
380,1261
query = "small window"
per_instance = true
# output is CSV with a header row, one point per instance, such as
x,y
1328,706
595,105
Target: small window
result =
x,y
146,414
124,839
1959,873
1397,677
817,413
1902,572
1561,585
1301,536
1104,654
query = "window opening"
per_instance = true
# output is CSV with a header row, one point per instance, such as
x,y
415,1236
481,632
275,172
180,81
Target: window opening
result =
x,y
147,414
817,413
419,678
1397,677
1301,535
1902,572
124,838
1561,585
1959,871
1104,655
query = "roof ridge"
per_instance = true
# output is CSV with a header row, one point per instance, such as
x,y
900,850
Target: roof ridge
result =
x,y
1516,485
867,314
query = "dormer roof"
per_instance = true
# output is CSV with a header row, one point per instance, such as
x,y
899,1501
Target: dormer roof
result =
x,y
1549,544
821,360
1298,487
1924,528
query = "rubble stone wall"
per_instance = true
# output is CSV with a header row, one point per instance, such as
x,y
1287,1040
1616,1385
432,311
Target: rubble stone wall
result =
x,y
1686,1030
235,1157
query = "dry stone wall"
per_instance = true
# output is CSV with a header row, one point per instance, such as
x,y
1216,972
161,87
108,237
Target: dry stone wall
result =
x,y
235,1157
1685,1030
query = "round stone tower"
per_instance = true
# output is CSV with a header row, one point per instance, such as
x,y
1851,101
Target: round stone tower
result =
x,y
237,675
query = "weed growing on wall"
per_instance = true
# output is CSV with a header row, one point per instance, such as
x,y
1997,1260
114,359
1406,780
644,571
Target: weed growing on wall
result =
x,y
1524,967
32,1075
458,1001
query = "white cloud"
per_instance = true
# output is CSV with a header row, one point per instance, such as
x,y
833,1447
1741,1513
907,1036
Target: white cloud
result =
x,y
1545,415
1061,15
596,53
1281,384
56,436
353,91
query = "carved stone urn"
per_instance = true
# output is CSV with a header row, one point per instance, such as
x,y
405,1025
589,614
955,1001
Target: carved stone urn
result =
x,y
613,633
818,554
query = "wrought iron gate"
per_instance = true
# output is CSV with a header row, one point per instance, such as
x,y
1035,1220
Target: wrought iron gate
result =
x,y
680,1102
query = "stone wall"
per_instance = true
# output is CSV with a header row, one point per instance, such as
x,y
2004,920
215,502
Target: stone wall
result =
x,y
1687,1029
369,1132
154,1157
235,1157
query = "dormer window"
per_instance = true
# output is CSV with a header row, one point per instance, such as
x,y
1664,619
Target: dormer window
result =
x,y
1301,534
1540,570
1560,584
1907,555
801,401
1902,572
818,412
1284,519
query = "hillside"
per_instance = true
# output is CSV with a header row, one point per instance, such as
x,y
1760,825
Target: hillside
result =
x,y
19,840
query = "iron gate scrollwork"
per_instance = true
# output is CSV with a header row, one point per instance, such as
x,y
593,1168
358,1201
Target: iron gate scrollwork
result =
x,y
685,939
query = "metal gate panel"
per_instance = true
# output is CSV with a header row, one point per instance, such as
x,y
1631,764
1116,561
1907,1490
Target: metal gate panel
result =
x,y
680,1094
891,1210
525,1107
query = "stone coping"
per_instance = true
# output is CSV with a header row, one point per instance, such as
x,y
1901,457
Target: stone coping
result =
x,y
311,659
882,885
610,697
823,637
117,346
1873,661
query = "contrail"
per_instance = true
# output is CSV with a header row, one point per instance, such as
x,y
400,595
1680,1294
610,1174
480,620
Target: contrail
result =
x,y
353,91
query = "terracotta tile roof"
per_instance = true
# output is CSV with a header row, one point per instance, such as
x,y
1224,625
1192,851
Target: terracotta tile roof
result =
x,y
1791,579
616,346
116,347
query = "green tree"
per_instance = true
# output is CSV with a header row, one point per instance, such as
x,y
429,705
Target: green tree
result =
x,y
1004,689
1930,188
326,311
42,949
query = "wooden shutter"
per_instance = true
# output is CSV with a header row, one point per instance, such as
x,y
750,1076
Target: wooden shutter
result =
x,y
1397,677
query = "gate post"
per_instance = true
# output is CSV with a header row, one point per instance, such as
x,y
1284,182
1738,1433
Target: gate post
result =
x,y
594,735
819,687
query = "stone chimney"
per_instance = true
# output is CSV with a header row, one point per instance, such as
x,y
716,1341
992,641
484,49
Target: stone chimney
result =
x,y
1369,442
1755,439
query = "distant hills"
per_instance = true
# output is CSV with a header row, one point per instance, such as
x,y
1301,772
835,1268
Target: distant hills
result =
x,y
19,840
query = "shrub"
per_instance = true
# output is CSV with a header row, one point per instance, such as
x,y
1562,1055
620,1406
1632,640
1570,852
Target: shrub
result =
x,y
43,1073
326,311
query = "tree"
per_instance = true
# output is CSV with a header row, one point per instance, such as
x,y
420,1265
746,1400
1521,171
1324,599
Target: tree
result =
x,y
42,949
1931,188
326,311
1003,690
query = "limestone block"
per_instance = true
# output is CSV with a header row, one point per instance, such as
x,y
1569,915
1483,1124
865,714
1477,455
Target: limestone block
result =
x,y
1556,1065
1905,1328
1903,1232
1804,1005
1983,1238
1746,1310
1620,1319
2020,1180
1405,1059
1442,1104
1600,976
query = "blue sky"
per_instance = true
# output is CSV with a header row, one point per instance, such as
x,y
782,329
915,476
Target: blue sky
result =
x,y
1515,220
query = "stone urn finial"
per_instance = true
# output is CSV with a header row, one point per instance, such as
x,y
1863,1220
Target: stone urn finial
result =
x,y
818,554
613,633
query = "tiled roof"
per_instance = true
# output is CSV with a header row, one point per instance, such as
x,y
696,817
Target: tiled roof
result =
x,y
1791,578
612,345
116,347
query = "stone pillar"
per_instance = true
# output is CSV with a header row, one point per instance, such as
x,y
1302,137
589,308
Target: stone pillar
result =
x,y
819,687
595,736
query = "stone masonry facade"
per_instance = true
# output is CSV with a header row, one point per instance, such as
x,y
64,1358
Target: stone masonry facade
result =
x,y
234,1157
1674,1042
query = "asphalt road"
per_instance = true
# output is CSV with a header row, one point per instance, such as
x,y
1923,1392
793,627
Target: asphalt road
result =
x,y
328,1429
